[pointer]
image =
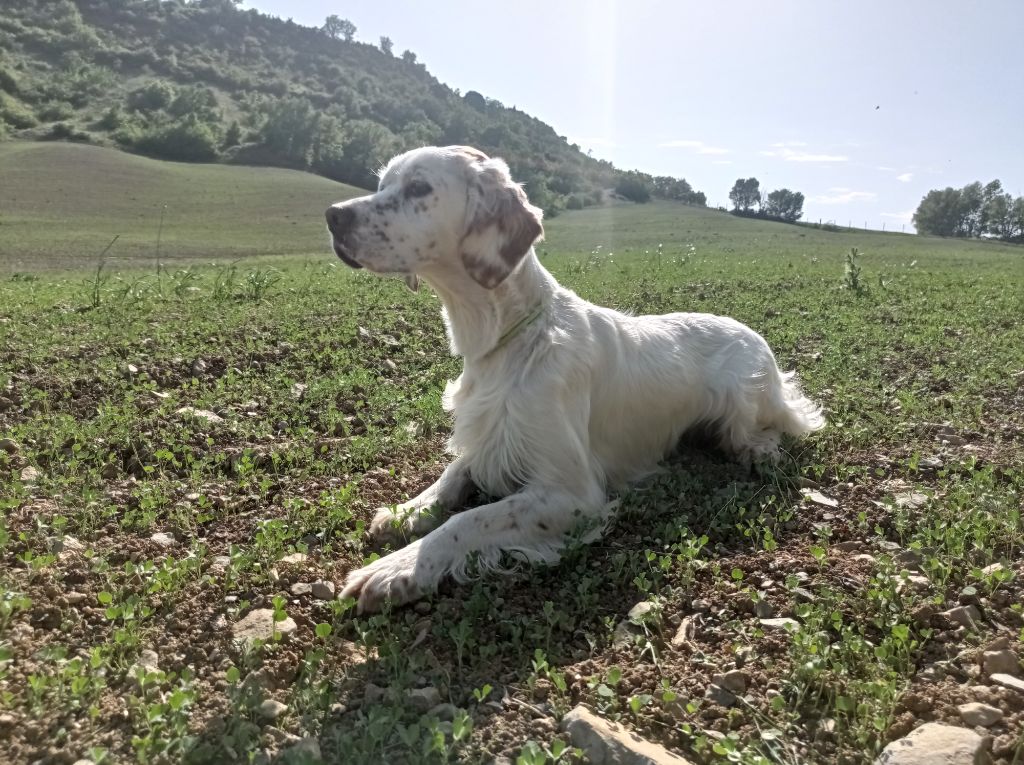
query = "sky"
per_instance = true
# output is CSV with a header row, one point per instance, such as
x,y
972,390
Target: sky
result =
x,y
863,106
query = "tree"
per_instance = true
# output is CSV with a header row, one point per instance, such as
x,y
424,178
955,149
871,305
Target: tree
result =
x,y
745,194
386,45
785,204
409,57
337,27
939,213
634,186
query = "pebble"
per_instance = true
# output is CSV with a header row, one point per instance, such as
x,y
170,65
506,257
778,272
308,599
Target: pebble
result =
x,y
935,743
294,558
323,589
819,499
967,616
163,539
305,750
9,445
444,711
301,588
764,610
259,625
780,624
271,709
1000,662
200,414
373,694
30,476
734,680
1008,681
641,612
607,743
975,713
423,699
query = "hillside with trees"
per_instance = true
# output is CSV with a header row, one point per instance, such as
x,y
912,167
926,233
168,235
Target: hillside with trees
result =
x,y
973,211
206,81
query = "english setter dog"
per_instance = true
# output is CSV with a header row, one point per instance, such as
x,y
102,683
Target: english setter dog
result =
x,y
559,400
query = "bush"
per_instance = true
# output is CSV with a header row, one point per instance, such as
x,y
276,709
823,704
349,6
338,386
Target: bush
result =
x,y
54,111
186,141
8,82
16,114
633,187
576,201
151,97
64,131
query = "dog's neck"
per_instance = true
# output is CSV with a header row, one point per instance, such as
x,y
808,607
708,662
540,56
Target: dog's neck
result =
x,y
478,320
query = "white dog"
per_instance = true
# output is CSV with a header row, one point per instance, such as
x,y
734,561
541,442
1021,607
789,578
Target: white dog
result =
x,y
559,400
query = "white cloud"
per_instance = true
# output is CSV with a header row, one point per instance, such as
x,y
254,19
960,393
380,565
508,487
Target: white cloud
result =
x,y
699,146
885,169
790,155
782,144
900,217
840,195
721,162
905,178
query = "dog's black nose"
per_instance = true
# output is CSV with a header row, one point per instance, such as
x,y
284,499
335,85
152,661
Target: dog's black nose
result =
x,y
340,219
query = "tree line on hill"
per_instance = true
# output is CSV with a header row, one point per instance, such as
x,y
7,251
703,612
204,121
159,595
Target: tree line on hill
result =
x,y
206,81
781,205
972,211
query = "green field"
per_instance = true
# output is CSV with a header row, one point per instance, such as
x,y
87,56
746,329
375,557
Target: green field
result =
x,y
130,525
62,203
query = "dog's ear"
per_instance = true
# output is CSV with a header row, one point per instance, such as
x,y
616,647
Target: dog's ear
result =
x,y
502,225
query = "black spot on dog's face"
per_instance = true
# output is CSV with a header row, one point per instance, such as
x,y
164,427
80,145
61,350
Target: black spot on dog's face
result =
x,y
417,188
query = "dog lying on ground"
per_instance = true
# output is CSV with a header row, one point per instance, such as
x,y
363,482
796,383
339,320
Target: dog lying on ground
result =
x,y
559,400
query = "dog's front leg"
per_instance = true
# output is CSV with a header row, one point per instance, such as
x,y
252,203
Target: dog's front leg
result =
x,y
423,512
531,524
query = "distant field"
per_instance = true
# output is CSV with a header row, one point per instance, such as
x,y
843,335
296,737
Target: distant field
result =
x,y
169,442
61,203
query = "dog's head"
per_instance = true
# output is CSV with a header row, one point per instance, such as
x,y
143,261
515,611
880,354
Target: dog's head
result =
x,y
438,206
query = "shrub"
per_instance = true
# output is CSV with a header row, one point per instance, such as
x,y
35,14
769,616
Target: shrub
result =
x,y
634,188
16,114
576,201
54,111
151,97
188,140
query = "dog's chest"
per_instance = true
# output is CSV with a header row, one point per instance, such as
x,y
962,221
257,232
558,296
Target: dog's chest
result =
x,y
489,433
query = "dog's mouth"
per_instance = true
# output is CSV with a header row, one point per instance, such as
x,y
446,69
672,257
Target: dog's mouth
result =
x,y
345,256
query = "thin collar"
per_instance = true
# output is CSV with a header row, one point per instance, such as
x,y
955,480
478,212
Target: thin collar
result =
x,y
519,326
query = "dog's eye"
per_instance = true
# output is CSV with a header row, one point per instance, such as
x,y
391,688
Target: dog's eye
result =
x,y
417,189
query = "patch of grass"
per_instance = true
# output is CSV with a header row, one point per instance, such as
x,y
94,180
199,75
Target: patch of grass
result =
x,y
314,397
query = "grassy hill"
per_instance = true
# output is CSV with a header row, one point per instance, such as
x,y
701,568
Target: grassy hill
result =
x,y
61,204
207,81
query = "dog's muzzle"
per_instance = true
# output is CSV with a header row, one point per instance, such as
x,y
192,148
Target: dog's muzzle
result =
x,y
340,221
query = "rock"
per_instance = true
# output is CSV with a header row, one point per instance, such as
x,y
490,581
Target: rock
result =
x,y
993,568
967,616
200,414
30,476
1008,681
819,499
935,744
163,539
271,709
847,546
84,762
764,610
864,558
9,445
294,558
76,598
147,662
301,588
607,743
198,367
422,607
734,680
780,624
220,562
444,711
373,694
716,694
1000,662
391,365
110,471
259,625
423,699
975,713
686,632
305,750
930,463
642,612
131,370
911,499
323,589
299,391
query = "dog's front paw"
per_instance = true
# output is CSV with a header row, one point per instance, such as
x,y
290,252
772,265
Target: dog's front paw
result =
x,y
396,525
391,578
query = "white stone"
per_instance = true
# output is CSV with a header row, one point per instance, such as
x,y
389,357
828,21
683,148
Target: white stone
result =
x,y
1008,681
294,558
976,713
1001,662
259,625
271,709
201,414
819,499
163,539
323,589
607,743
935,744
967,616
780,624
